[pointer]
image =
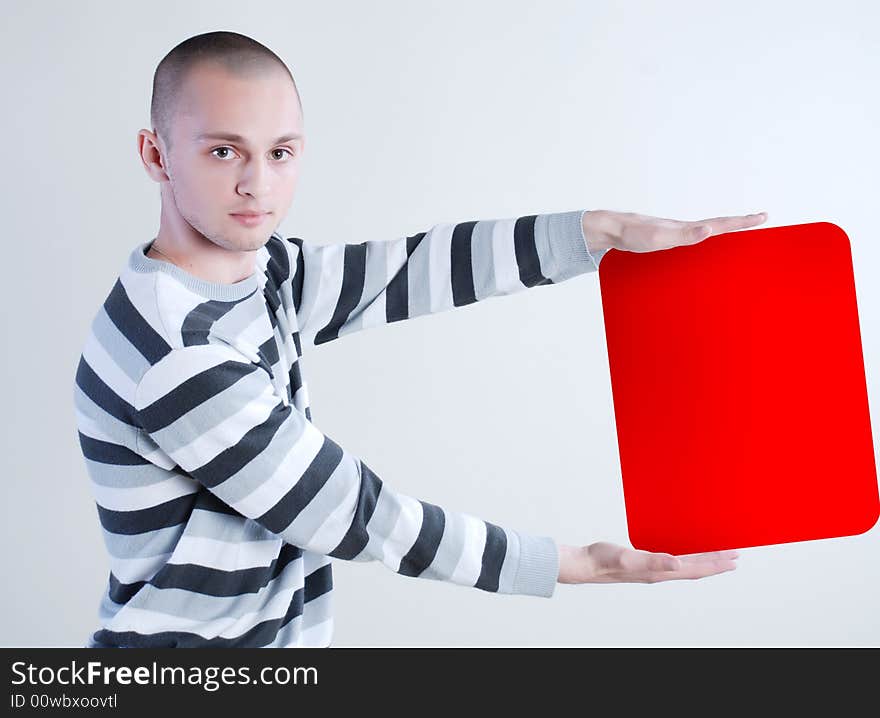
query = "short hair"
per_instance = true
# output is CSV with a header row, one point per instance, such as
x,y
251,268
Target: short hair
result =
x,y
239,54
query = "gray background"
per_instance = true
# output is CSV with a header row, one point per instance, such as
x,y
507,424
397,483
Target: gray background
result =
x,y
418,113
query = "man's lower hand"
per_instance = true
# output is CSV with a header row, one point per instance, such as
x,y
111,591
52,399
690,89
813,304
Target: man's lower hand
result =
x,y
605,562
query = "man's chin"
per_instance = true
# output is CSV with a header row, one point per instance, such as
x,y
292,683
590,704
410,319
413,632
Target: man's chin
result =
x,y
247,241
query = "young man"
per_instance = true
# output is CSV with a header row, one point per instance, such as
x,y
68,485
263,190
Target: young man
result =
x,y
221,504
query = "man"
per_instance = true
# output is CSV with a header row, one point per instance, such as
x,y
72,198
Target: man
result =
x,y
221,504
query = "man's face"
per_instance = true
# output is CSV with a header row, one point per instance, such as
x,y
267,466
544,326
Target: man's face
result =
x,y
212,177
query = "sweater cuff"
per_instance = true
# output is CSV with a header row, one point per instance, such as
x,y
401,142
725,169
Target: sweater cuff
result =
x,y
595,254
568,247
538,568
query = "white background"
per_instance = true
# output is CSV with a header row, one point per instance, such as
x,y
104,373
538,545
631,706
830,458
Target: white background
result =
x,y
418,113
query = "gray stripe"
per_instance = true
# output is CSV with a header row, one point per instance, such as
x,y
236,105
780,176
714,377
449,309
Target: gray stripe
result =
x,y
312,272
538,566
285,294
511,562
418,278
126,356
375,282
224,527
203,607
262,467
234,322
450,550
125,476
381,524
483,259
288,634
327,500
549,264
210,413
150,543
116,431
108,608
299,397
568,246
317,610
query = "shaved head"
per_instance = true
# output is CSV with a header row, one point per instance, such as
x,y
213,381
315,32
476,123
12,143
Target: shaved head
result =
x,y
231,110
239,55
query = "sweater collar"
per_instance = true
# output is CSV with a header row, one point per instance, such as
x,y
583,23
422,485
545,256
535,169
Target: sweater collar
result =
x,y
138,261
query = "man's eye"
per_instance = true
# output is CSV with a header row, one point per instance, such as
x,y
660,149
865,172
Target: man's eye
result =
x,y
227,149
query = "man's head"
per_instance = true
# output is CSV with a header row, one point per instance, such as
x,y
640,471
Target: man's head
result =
x,y
207,88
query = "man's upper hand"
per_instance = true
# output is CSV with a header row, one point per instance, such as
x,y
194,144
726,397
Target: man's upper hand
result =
x,y
630,232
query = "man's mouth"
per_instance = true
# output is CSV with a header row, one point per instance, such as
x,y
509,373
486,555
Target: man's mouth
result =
x,y
250,219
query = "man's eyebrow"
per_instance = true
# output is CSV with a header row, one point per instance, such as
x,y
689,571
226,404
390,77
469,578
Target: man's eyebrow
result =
x,y
232,137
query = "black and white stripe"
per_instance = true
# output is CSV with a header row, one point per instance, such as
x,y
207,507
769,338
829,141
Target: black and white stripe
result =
x,y
220,503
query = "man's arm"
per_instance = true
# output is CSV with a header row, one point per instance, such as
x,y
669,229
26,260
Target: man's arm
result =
x,y
342,288
216,415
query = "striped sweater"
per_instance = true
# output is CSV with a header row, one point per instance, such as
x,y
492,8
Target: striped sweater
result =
x,y
220,503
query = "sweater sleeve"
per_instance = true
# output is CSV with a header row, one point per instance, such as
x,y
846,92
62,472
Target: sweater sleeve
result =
x,y
215,415
341,288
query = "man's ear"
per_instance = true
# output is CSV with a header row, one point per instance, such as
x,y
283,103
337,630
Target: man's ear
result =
x,y
151,155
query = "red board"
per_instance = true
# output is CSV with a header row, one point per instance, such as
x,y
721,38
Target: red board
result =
x,y
739,390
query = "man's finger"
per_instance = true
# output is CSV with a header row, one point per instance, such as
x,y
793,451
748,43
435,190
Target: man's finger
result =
x,y
635,560
710,555
697,570
654,562
730,224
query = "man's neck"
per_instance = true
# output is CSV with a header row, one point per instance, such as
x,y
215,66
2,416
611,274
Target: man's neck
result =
x,y
215,265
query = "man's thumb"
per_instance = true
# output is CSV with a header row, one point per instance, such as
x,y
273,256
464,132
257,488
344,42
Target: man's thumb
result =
x,y
702,231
